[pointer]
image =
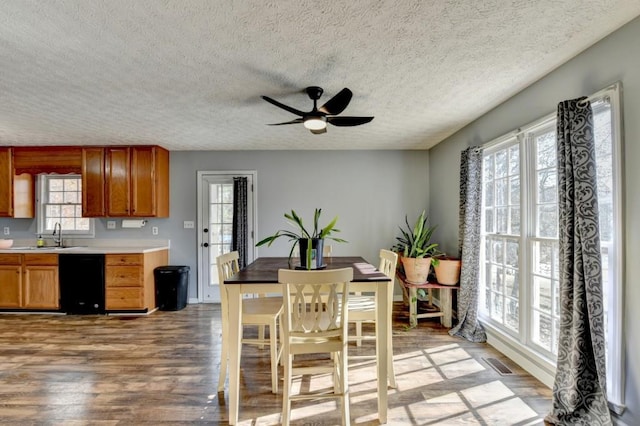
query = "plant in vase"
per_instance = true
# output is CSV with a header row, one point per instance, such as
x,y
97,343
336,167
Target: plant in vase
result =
x,y
415,249
447,269
310,243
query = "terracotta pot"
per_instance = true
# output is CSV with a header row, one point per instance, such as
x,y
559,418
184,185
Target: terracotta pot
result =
x,y
448,270
416,270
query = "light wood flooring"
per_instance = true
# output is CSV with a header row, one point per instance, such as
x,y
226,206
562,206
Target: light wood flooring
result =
x,y
163,369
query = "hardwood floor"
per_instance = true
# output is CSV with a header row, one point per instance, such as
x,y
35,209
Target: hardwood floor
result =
x,y
163,369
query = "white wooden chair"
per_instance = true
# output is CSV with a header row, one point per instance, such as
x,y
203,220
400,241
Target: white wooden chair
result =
x,y
314,321
262,311
362,308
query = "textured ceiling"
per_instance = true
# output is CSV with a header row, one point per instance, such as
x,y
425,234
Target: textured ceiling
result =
x,y
188,74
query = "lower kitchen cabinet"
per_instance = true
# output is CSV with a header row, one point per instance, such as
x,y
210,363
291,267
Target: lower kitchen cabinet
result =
x,y
129,280
29,281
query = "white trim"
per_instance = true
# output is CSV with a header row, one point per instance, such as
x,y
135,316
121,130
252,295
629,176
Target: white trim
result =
x,y
616,376
253,202
539,367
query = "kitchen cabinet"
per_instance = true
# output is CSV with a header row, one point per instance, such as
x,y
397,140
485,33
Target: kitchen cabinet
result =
x,y
47,159
137,181
93,188
10,281
41,289
16,191
129,280
29,281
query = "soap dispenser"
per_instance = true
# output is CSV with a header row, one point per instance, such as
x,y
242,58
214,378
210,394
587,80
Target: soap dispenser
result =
x,y
40,242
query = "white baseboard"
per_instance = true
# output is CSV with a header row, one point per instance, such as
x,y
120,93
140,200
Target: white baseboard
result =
x,y
534,365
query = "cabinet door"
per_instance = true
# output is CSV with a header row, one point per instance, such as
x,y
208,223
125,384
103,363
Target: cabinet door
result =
x,y
6,182
143,184
10,286
93,182
41,287
118,180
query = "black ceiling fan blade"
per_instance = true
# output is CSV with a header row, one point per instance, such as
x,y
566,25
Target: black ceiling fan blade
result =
x,y
283,106
296,121
348,121
338,103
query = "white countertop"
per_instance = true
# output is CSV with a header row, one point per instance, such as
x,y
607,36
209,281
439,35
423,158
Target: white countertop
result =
x,y
80,246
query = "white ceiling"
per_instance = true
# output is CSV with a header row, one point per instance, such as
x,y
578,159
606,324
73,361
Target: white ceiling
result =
x,y
188,74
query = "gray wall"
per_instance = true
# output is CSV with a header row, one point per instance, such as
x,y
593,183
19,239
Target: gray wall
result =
x,y
370,192
616,58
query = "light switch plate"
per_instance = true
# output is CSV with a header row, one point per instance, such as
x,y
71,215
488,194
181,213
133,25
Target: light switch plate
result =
x,y
7,231
111,224
154,230
188,224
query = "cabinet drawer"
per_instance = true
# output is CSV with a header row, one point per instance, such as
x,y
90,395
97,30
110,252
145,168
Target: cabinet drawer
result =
x,y
41,259
10,259
124,298
124,276
124,259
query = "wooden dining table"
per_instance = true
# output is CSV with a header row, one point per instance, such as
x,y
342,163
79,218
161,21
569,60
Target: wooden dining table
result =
x,y
261,276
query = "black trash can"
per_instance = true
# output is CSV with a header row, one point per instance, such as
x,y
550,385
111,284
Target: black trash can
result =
x,y
172,284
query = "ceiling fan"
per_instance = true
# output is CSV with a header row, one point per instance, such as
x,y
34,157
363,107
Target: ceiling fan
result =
x,y
316,120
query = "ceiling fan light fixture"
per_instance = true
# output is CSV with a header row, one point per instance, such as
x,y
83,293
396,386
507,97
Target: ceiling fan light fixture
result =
x,y
315,123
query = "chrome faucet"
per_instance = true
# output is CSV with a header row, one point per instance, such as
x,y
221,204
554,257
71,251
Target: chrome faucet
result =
x,y
57,234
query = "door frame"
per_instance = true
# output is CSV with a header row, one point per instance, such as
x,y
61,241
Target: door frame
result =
x,y
251,252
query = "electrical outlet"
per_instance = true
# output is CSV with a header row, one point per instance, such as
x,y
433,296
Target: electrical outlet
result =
x,y
154,230
7,231
188,224
111,224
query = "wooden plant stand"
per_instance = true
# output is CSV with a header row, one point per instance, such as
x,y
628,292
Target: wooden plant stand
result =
x,y
446,300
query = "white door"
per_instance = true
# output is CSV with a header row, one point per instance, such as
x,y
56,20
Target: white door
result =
x,y
215,226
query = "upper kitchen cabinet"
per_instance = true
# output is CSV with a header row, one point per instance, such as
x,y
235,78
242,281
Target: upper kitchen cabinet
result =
x,y
47,159
137,181
93,189
16,191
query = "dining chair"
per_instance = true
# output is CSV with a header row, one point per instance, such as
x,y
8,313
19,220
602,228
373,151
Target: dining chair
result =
x,y
261,311
315,322
362,309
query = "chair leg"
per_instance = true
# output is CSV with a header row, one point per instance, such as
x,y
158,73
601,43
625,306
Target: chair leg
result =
x,y
391,372
286,390
359,333
224,358
261,335
274,356
344,387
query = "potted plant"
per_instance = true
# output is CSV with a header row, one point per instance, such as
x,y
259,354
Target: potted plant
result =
x,y
416,249
447,269
310,243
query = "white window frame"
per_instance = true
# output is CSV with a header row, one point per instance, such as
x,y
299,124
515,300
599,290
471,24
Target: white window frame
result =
x,y
536,360
41,211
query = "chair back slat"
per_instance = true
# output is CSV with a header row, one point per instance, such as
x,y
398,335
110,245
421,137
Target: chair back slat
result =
x,y
314,300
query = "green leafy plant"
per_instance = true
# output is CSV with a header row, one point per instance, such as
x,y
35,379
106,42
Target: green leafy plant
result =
x,y
415,241
300,232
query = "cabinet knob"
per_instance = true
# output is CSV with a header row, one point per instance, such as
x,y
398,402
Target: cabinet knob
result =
x,y
205,244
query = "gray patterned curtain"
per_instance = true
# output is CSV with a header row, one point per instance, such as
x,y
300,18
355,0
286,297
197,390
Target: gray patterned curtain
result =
x,y
469,245
579,391
240,237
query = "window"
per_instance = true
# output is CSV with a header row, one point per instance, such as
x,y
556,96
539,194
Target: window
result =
x,y
60,201
520,249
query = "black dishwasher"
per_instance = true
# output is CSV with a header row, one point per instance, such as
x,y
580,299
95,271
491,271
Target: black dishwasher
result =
x,y
81,283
